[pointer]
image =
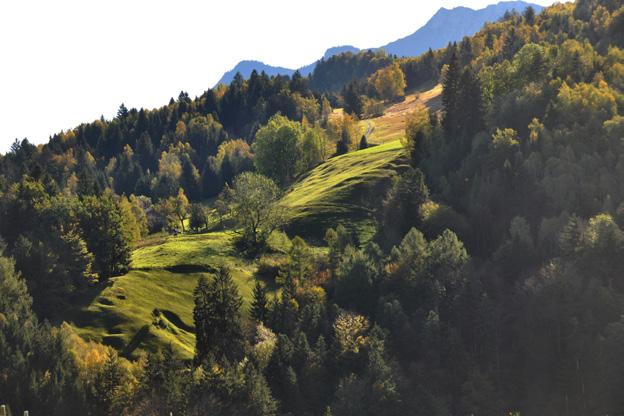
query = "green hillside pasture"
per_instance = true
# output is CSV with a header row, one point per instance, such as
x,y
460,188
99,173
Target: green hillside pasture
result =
x,y
152,305
345,189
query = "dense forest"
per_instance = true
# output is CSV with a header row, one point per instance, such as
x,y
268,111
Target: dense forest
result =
x,y
492,284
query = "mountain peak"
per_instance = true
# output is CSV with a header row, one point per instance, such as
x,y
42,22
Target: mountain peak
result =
x,y
446,25
449,25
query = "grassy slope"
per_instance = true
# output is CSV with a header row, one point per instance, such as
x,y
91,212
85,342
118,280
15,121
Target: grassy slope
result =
x,y
342,190
162,280
391,125
152,305
347,188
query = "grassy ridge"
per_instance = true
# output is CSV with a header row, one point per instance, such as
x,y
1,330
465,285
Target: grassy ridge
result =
x,y
344,189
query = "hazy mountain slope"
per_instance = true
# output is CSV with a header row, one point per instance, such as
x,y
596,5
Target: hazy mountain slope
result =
x,y
445,26
306,70
246,67
452,25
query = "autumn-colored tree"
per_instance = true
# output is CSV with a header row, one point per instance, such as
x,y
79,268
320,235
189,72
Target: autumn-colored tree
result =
x,y
389,82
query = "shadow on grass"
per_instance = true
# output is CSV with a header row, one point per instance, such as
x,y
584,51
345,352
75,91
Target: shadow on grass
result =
x,y
77,302
176,320
180,268
134,343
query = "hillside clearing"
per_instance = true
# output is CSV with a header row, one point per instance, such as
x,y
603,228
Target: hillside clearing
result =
x,y
152,305
345,189
391,125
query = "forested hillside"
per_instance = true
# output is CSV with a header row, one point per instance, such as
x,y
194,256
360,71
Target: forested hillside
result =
x,y
258,250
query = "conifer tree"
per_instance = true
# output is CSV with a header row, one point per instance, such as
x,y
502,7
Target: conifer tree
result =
x,y
363,142
217,318
471,116
259,303
450,97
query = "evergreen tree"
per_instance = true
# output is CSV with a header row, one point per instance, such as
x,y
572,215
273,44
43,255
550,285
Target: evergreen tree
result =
x,y
145,151
344,144
217,318
211,179
529,15
470,114
38,370
353,100
363,142
259,302
450,97
122,111
512,44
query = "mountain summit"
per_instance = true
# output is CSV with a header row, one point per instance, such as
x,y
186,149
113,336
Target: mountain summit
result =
x,y
451,25
447,25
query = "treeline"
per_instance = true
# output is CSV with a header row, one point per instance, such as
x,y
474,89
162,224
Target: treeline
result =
x,y
332,74
187,144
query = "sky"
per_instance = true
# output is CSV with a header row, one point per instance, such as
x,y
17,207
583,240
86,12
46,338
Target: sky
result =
x,y
65,62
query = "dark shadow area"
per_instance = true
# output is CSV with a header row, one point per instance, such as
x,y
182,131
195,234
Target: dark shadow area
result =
x,y
138,338
176,320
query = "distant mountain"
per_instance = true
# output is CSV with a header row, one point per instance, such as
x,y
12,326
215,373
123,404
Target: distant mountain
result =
x,y
452,25
444,27
247,67
306,70
339,49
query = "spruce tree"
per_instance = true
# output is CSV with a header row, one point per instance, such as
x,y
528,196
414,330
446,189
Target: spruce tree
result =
x,y
529,15
363,142
450,95
470,116
217,318
259,303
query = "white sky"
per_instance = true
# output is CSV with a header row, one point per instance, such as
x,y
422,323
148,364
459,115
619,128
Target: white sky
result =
x,y
64,62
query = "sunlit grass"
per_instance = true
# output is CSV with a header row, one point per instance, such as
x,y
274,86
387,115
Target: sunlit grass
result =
x,y
344,190
152,305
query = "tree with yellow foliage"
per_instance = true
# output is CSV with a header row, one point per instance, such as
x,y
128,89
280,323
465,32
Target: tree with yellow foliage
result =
x,y
389,82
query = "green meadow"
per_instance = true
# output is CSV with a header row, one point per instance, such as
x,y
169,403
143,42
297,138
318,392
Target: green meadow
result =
x,y
152,305
344,190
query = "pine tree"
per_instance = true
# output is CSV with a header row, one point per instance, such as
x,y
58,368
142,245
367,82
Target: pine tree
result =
x,y
470,106
363,142
450,97
529,15
211,179
353,100
217,318
259,303
38,370
342,146
512,44
145,151
122,111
